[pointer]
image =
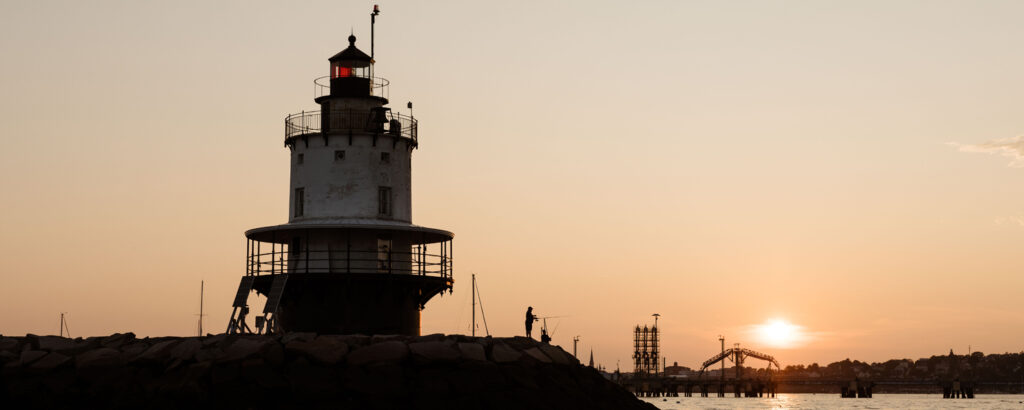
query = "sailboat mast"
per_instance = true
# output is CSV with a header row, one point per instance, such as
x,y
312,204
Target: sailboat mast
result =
x,y
64,326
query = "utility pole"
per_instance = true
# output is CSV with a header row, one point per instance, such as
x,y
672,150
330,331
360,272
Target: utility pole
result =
x,y
738,360
574,341
474,305
202,288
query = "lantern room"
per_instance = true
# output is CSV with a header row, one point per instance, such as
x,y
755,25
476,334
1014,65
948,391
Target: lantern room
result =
x,y
351,72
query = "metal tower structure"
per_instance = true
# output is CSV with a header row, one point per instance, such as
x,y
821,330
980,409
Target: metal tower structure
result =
x,y
645,350
349,260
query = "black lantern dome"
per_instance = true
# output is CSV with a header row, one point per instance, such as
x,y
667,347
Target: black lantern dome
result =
x,y
351,72
350,57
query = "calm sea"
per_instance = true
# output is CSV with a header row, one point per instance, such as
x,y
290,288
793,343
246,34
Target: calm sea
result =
x,y
833,401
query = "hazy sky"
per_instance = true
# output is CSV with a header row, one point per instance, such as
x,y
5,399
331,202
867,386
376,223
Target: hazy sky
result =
x,y
854,168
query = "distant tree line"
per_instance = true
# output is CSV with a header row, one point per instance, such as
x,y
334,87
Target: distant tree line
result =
x,y
1006,367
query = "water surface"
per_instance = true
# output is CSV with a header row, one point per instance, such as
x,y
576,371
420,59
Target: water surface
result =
x,y
833,401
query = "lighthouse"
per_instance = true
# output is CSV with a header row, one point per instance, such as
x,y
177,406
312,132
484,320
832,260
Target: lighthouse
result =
x,y
349,260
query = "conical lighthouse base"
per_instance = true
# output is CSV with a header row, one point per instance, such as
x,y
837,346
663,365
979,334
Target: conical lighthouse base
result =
x,y
354,303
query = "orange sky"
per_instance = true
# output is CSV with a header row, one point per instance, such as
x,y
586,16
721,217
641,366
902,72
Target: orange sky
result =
x,y
854,168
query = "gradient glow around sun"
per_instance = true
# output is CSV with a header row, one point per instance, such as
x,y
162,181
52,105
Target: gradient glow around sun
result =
x,y
779,333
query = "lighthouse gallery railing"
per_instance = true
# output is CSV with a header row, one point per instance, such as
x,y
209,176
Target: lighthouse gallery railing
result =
x,y
383,122
378,86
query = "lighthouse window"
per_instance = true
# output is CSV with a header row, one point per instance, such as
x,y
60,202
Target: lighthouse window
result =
x,y
300,158
340,71
385,158
384,201
300,201
339,155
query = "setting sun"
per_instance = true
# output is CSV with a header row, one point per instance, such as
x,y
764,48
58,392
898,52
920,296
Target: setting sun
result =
x,y
779,333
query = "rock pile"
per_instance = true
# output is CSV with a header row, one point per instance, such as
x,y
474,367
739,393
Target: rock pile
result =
x,y
300,370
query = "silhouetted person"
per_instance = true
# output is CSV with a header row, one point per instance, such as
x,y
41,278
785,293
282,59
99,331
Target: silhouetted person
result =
x,y
530,318
544,338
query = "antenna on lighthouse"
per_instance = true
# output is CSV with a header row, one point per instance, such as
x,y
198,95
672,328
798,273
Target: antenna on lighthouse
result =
x,y
373,20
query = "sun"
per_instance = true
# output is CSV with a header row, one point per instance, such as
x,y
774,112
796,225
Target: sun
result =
x,y
779,333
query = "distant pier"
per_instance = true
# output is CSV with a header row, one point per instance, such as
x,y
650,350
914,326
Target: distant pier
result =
x,y
661,386
672,386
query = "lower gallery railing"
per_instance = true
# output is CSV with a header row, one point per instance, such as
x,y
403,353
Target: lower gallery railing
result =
x,y
418,261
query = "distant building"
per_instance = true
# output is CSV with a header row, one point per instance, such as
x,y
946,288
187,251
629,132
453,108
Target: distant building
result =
x,y
679,371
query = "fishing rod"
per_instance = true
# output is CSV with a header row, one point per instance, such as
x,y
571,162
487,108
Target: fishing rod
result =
x,y
544,326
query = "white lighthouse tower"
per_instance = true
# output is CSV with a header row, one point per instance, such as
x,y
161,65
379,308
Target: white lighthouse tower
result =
x,y
349,260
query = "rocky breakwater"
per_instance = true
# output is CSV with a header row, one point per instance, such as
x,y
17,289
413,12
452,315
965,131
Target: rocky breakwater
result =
x,y
300,370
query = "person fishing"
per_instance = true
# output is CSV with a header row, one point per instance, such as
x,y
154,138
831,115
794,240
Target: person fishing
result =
x,y
530,318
